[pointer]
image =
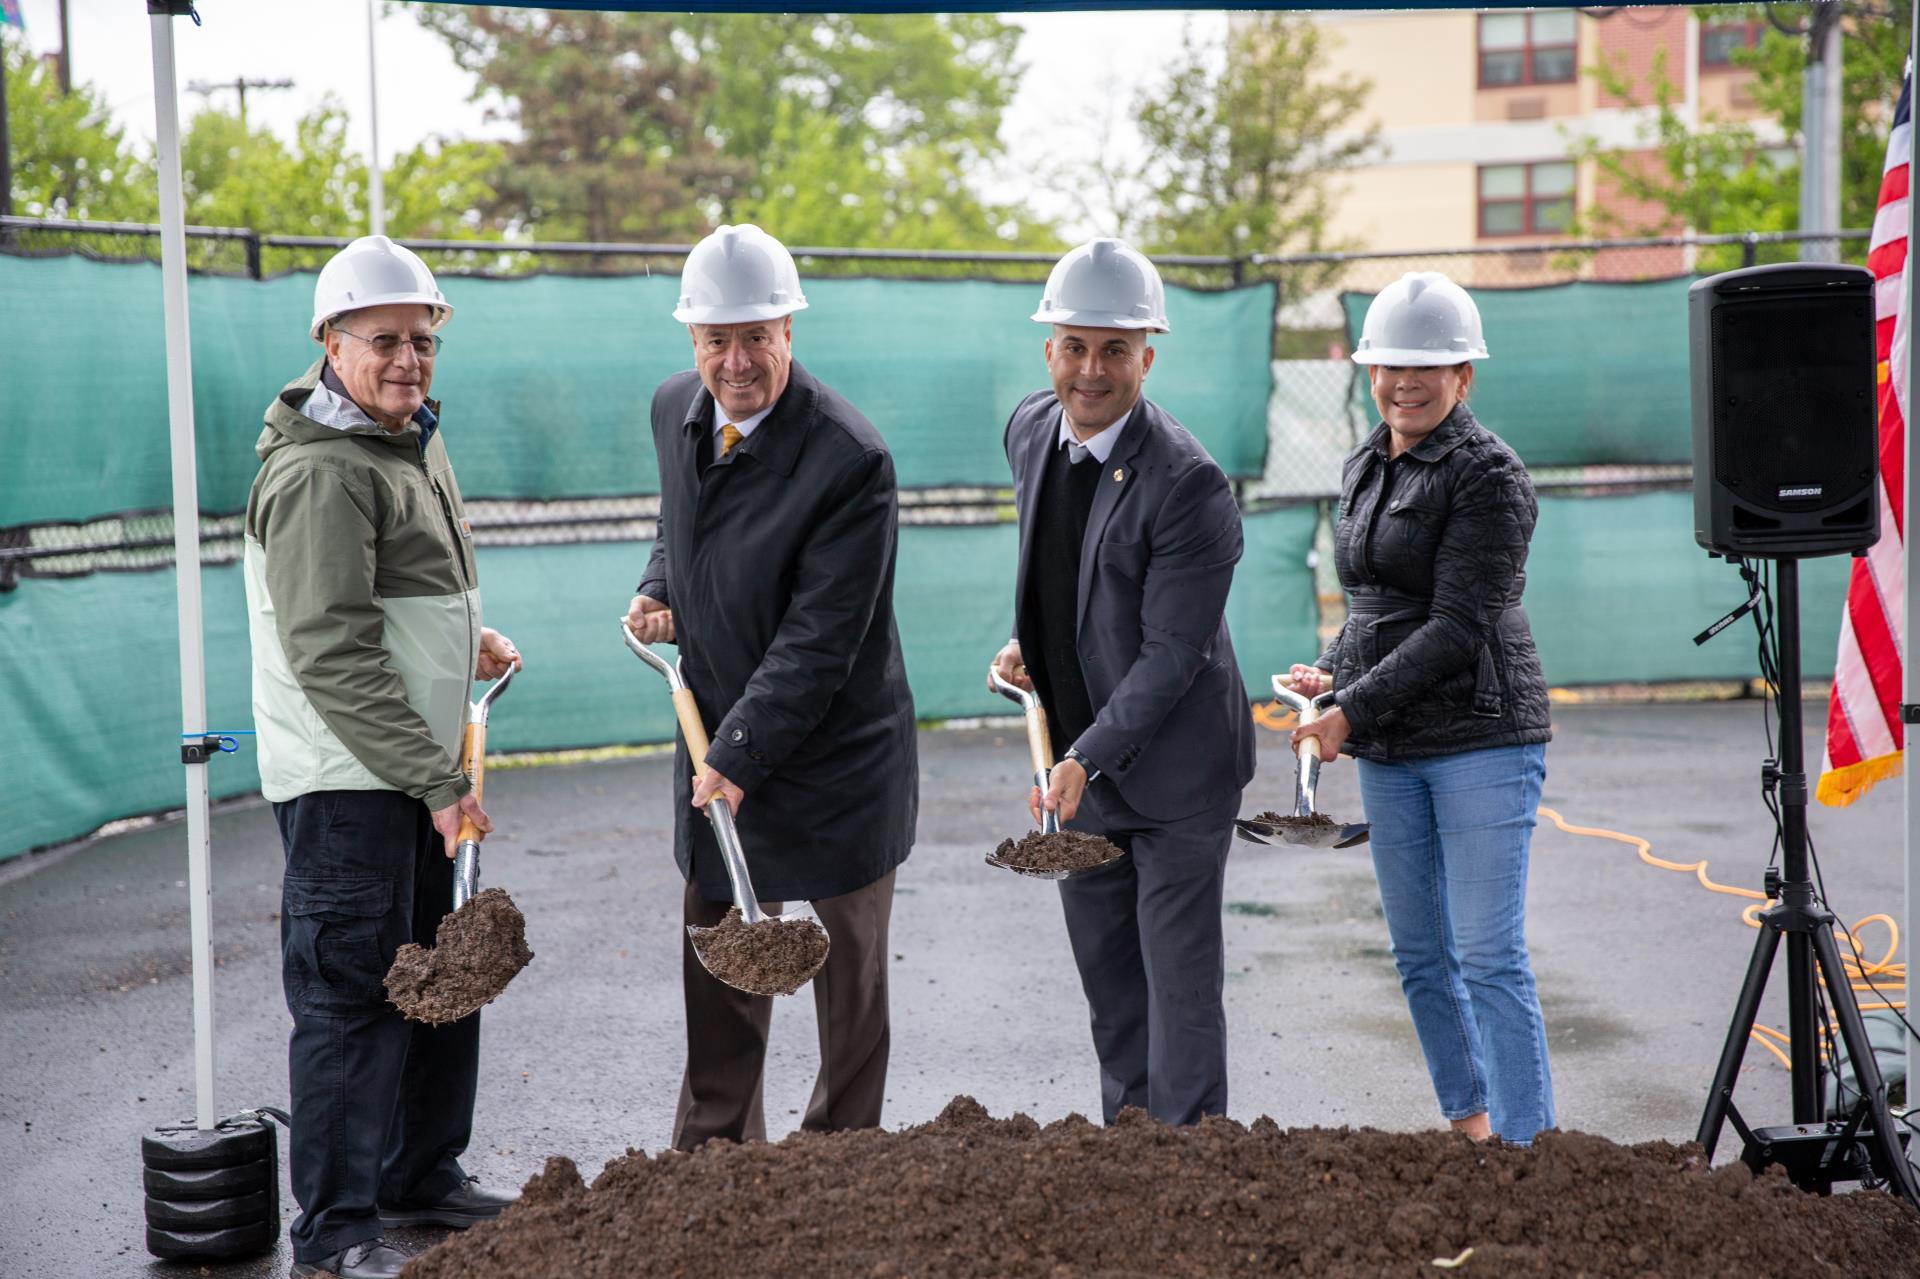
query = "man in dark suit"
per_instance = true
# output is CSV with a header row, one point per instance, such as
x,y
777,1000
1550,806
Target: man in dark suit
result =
x,y
773,572
1128,537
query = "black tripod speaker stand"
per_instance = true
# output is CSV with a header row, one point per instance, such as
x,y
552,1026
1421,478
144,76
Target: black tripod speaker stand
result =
x,y
1815,1150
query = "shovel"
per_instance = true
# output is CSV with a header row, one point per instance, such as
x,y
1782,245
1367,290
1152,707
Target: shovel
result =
x,y
1307,826
739,953
1040,749
482,944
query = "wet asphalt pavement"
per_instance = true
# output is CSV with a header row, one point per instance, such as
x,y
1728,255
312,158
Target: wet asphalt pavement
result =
x,y
1638,969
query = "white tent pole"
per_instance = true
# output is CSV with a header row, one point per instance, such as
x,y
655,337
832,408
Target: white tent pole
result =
x,y
1909,685
186,545
376,180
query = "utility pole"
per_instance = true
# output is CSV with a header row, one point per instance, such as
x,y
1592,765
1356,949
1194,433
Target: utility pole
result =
x,y
6,153
1820,128
239,85
376,180
66,58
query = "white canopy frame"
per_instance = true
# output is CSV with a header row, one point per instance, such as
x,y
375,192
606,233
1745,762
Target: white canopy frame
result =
x,y
186,504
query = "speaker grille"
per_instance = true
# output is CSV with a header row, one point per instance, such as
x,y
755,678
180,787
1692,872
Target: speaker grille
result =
x,y
1793,400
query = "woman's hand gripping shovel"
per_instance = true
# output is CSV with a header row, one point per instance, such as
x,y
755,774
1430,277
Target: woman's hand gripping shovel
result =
x,y
1306,826
749,950
482,944
1051,853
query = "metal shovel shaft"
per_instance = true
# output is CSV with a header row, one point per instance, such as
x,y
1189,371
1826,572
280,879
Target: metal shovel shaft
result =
x,y
719,812
466,872
1039,743
473,762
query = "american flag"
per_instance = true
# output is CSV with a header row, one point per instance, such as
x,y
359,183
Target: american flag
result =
x,y
1864,739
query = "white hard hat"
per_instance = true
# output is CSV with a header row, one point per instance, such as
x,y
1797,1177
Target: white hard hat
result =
x,y
1105,284
374,271
1421,319
737,275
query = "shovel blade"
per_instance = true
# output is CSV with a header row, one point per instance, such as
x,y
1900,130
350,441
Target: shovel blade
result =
x,y
477,950
775,956
1252,832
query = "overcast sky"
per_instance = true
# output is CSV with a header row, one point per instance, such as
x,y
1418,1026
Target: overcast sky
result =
x,y
1080,66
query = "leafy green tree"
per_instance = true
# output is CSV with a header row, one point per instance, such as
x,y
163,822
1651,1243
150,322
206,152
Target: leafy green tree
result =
x,y
233,176
1725,177
1242,145
69,159
617,139
834,128
441,188
907,197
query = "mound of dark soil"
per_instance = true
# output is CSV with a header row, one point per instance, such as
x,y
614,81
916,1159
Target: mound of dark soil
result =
x,y
773,957
1063,850
476,951
971,1197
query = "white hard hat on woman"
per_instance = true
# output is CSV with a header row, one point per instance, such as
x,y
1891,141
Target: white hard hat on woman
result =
x,y
1422,319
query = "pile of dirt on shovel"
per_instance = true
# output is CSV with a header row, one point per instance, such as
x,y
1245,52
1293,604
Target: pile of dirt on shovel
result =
x,y
971,1197
773,957
1063,850
476,951
1292,819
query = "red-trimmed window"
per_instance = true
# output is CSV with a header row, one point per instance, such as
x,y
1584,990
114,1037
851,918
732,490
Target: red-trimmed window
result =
x,y
1720,40
1528,47
1526,199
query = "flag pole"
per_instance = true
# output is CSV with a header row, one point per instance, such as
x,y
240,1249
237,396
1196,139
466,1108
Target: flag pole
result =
x,y
1909,685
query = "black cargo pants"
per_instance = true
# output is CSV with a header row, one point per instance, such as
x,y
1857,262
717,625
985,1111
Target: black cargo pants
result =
x,y
382,1107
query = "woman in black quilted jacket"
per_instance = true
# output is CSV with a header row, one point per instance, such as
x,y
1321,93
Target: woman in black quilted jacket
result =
x,y
1441,700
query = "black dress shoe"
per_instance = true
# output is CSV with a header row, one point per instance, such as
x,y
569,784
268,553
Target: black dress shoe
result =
x,y
374,1259
462,1207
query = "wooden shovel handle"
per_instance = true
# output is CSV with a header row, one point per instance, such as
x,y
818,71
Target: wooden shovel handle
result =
x,y
1039,745
473,762
692,728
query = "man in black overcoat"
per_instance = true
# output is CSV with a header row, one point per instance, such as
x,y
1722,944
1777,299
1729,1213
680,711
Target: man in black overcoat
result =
x,y
1128,537
773,573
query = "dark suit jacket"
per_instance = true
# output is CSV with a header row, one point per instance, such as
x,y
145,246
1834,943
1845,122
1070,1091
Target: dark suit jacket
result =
x,y
1172,725
778,563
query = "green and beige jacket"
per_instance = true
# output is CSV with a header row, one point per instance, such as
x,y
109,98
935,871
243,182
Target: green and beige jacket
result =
x,y
364,604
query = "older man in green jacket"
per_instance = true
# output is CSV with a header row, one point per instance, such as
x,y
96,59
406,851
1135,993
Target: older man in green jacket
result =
x,y
365,619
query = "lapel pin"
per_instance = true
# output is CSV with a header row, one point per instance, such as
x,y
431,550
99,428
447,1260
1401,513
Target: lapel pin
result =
x,y
1118,475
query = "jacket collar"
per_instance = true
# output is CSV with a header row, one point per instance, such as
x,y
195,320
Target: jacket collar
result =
x,y
286,423
777,441
1437,443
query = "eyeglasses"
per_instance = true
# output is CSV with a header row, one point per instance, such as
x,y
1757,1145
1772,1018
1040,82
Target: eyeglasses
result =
x,y
387,345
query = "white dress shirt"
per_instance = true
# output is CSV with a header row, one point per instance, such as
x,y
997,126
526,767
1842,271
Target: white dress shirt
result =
x,y
745,427
1100,445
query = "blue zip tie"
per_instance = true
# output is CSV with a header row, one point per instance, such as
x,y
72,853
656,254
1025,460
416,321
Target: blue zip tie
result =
x,y
226,735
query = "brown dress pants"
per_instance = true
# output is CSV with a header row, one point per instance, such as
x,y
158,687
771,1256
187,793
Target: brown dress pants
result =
x,y
720,1094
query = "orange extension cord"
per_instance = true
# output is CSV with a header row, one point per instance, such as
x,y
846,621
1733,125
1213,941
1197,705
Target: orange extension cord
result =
x,y
1278,718
1857,968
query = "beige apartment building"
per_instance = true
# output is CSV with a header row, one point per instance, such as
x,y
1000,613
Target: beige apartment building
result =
x,y
1478,110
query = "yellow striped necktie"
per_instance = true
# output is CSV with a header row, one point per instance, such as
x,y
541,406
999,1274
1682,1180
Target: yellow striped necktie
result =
x,y
729,436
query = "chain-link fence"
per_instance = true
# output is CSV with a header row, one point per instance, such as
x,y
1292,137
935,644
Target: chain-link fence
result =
x,y
1320,406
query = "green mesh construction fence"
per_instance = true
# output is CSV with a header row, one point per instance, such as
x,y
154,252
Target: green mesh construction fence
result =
x,y
92,703
1581,375
1616,591
547,381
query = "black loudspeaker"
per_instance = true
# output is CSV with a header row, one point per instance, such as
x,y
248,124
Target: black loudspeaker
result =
x,y
1785,443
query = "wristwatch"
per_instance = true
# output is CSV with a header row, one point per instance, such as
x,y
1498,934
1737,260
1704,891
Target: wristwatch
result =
x,y
1083,761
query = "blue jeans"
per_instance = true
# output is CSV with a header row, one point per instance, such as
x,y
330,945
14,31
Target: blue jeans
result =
x,y
1450,838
